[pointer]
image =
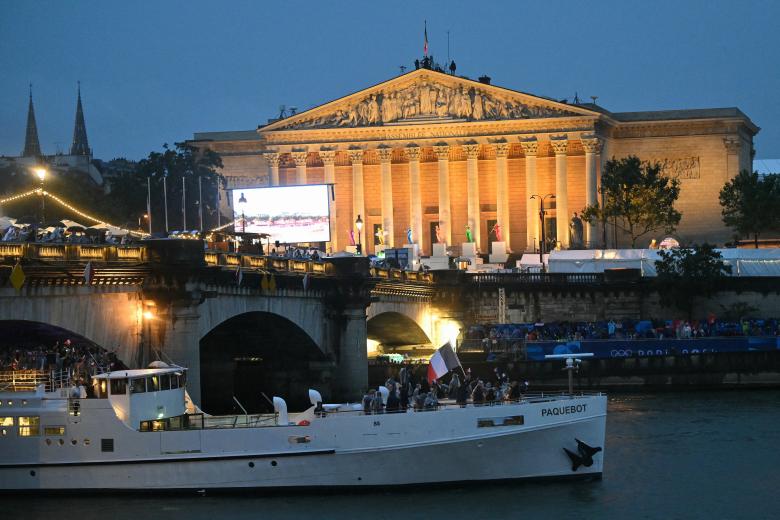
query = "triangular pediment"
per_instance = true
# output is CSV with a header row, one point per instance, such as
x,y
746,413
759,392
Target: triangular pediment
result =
x,y
427,97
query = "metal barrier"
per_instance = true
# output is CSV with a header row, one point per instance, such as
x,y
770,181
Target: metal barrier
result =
x,y
536,278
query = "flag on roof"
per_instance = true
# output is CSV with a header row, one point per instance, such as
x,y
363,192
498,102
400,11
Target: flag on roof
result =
x,y
442,361
425,44
17,276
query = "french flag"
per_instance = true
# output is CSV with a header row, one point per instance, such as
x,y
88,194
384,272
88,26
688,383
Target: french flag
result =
x,y
442,361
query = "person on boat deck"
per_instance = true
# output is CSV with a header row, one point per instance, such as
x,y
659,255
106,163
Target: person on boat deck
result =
x,y
430,402
367,400
454,387
393,403
377,406
478,395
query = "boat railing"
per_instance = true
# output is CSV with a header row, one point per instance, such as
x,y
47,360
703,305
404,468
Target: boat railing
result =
x,y
22,380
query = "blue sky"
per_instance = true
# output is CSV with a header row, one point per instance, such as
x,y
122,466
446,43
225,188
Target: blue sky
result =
x,y
155,72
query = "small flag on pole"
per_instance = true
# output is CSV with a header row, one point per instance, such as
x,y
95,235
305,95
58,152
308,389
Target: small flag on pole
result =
x,y
306,282
17,276
442,361
425,44
89,273
264,283
239,276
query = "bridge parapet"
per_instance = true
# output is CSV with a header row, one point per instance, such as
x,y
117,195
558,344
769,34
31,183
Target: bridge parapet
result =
x,y
72,252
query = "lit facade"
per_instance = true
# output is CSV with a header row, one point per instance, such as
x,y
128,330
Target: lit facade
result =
x,y
427,148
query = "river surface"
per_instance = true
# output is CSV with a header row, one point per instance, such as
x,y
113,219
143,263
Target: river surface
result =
x,y
671,455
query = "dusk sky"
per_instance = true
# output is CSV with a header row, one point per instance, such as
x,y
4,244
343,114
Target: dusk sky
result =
x,y
154,72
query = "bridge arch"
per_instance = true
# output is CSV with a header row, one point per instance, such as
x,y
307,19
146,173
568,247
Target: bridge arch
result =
x,y
259,352
394,331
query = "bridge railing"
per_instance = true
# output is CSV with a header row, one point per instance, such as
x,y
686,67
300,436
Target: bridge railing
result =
x,y
536,278
277,263
400,275
73,252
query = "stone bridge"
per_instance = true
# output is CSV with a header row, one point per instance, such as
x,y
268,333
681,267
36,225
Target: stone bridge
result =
x,y
297,322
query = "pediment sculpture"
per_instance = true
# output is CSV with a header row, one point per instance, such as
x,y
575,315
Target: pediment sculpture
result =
x,y
429,101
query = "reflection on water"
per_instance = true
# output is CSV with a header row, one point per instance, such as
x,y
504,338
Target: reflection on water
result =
x,y
675,455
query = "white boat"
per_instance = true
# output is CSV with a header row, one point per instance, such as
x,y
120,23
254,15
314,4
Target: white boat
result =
x,y
139,432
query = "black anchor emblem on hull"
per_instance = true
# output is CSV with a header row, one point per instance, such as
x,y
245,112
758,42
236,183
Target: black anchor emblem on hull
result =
x,y
584,455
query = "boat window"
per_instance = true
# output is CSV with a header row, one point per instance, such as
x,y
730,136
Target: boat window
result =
x,y
29,426
138,386
182,379
118,386
101,388
165,382
152,384
6,425
54,430
174,382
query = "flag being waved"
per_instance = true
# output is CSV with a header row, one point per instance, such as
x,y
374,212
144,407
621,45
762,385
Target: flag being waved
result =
x,y
442,361
425,42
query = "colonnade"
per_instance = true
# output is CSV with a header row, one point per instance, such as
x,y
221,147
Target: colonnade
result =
x,y
559,144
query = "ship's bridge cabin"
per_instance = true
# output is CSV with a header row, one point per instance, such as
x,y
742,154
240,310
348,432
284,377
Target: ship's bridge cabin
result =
x,y
144,398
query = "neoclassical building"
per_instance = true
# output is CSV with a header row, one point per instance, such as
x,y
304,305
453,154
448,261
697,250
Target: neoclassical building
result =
x,y
427,148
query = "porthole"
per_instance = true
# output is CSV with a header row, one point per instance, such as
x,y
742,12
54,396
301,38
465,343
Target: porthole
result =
x,y
61,442
74,442
251,464
48,442
87,442
32,472
273,463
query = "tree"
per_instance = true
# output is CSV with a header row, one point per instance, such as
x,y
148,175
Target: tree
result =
x,y
183,162
751,204
638,196
685,274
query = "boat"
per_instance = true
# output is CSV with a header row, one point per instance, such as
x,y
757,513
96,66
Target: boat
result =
x,y
138,431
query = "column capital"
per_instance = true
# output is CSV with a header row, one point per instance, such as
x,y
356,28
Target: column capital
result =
x,y
591,143
356,156
502,149
385,154
413,153
273,158
442,151
299,157
732,145
560,144
530,145
472,151
328,157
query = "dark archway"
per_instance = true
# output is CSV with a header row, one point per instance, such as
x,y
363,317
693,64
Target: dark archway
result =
x,y
255,353
24,341
397,332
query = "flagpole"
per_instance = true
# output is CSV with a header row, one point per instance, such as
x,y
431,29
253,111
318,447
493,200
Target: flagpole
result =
x,y
184,201
165,196
149,202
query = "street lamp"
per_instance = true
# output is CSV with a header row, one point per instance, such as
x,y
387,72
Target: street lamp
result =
x,y
359,226
542,213
242,202
41,173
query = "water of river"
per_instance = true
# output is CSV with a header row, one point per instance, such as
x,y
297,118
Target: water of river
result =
x,y
673,455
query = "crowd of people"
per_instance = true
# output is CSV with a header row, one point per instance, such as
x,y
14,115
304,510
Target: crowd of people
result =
x,y
78,361
410,392
623,329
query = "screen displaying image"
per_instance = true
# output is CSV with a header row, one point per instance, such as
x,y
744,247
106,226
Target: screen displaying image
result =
x,y
289,214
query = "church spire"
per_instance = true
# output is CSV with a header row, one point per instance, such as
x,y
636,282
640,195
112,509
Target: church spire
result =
x,y
32,147
80,145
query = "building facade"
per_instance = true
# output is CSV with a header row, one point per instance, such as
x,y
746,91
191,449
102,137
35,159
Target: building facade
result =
x,y
429,149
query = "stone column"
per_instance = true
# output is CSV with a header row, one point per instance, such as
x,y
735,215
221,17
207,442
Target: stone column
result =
x,y
533,233
273,160
592,146
732,145
329,162
358,201
442,152
472,187
560,146
352,368
502,191
300,166
415,196
385,164
178,328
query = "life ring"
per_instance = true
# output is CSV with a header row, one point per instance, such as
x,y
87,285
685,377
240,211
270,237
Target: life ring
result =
x,y
304,422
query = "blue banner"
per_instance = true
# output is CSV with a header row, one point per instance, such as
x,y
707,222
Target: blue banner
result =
x,y
619,348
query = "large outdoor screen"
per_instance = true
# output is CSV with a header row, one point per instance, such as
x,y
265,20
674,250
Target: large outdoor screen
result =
x,y
289,214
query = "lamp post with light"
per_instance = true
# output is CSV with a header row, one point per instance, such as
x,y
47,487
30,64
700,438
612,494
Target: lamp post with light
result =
x,y
542,213
41,173
359,226
242,203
